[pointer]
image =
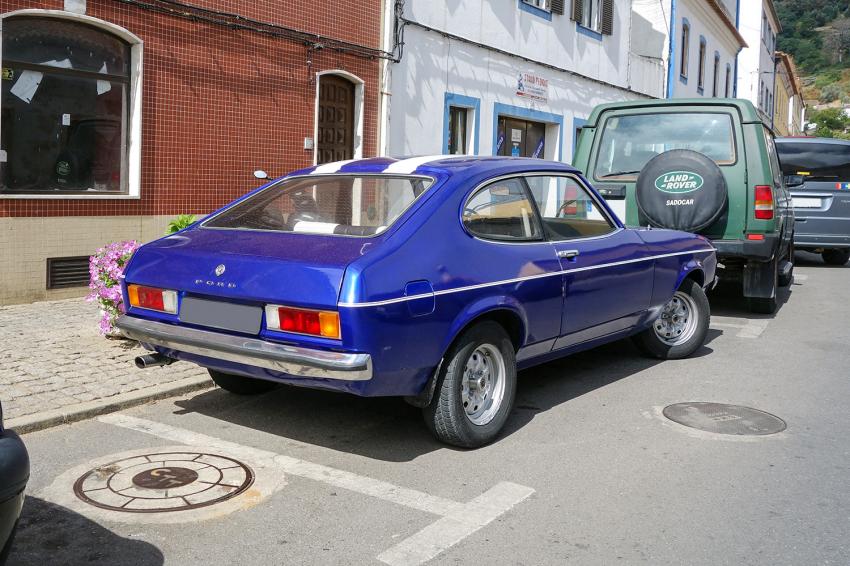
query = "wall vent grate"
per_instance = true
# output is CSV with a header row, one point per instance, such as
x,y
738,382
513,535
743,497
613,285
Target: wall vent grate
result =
x,y
63,272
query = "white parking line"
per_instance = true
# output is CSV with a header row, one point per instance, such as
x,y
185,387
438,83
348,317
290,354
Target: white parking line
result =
x,y
458,520
747,328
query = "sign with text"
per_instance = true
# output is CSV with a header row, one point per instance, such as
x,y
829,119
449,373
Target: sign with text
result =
x,y
529,85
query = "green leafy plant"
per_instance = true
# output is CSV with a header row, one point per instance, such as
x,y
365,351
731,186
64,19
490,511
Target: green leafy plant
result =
x,y
182,221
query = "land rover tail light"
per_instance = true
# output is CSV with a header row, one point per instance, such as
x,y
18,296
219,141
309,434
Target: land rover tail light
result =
x,y
151,298
303,321
764,202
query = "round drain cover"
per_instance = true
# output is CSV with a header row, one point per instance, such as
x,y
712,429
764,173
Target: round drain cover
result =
x,y
724,419
168,481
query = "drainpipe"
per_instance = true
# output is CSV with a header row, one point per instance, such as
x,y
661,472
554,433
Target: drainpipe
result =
x,y
385,77
671,56
737,27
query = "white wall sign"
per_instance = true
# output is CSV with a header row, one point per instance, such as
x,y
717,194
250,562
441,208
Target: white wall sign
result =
x,y
529,85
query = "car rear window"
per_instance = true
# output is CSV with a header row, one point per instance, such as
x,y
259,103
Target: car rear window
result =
x,y
814,160
629,142
344,205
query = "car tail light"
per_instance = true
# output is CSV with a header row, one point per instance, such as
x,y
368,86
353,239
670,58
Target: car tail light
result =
x,y
152,298
764,202
303,321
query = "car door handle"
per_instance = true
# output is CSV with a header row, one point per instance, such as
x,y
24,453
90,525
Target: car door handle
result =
x,y
567,254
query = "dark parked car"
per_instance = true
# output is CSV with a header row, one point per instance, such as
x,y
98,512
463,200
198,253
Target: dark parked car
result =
x,y
818,170
431,278
14,474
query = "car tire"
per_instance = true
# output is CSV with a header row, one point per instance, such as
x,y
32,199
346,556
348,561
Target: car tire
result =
x,y
786,280
836,256
766,305
239,384
681,328
475,389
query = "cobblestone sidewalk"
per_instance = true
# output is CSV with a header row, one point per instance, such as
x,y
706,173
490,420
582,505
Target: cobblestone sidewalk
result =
x,y
52,359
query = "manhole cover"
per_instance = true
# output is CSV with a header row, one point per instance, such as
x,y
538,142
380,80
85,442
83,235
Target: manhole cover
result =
x,y
724,419
168,481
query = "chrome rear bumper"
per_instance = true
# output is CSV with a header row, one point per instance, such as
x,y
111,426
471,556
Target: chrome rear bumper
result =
x,y
291,360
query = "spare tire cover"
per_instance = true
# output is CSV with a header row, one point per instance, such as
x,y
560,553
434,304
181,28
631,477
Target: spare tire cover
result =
x,y
682,190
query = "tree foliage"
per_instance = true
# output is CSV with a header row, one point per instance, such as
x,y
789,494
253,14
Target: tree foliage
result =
x,y
831,123
815,32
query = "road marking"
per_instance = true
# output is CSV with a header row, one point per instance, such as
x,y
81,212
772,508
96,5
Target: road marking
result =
x,y
450,530
458,520
747,328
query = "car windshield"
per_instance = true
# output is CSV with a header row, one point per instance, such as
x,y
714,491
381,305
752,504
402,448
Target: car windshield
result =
x,y
815,161
629,142
347,205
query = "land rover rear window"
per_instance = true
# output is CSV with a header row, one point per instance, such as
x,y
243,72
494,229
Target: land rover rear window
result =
x,y
814,160
627,143
344,205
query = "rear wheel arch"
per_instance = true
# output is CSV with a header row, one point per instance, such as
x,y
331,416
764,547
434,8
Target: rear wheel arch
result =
x,y
508,318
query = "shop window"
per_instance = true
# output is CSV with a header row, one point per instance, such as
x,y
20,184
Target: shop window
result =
x,y
521,138
458,121
701,69
686,39
65,103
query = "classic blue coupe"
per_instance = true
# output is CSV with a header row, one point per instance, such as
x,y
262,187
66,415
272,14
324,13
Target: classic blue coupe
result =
x,y
430,278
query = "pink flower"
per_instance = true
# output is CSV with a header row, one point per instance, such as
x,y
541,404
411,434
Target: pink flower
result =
x,y
106,269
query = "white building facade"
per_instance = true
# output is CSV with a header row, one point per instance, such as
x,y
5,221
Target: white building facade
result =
x,y
759,25
514,77
697,41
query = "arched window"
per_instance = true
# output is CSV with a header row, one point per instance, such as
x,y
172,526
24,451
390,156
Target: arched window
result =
x,y
65,100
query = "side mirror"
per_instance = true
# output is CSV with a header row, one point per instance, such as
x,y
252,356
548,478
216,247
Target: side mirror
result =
x,y
260,174
793,180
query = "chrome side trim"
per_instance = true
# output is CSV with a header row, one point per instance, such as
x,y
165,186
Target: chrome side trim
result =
x,y
518,279
291,360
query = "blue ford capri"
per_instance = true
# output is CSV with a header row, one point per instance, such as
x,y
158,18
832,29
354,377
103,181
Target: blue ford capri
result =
x,y
430,278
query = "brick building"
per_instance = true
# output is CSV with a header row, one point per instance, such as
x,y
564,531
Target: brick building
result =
x,y
119,114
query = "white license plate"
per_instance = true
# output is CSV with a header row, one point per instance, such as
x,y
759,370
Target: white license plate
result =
x,y
800,202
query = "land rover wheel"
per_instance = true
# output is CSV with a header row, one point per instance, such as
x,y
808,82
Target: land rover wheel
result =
x,y
836,256
682,326
786,277
240,385
767,305
475,389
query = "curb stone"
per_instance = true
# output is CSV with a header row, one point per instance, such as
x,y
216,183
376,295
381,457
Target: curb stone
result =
x,y
89,409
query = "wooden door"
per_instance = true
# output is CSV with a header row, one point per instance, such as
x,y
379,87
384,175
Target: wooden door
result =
x,y
336,119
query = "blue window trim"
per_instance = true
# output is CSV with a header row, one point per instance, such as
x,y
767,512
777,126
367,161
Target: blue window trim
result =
x,y
500,109
539,12
735,73
588,32
671,57
462,101
702,43
577,123
684,78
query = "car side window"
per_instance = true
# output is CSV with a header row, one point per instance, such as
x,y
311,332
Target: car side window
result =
x,y
567,209
502,211
773,157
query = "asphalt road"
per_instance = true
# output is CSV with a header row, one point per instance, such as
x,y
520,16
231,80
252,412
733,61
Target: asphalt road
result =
x,y
587,472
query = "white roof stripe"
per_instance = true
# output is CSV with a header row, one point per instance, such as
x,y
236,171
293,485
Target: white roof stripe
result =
x,y
330,167
410,165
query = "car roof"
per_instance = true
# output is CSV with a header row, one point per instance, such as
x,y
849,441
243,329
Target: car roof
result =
x,y
438,165
745,107
808,139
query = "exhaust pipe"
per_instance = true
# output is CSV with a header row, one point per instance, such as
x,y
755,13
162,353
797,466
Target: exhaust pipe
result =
x,y
153,360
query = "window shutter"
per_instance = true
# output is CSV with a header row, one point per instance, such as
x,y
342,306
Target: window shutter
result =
x,y
607,17
557,6
577,9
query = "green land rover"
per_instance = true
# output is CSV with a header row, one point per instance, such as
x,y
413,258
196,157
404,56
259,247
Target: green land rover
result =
x,y
707,166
